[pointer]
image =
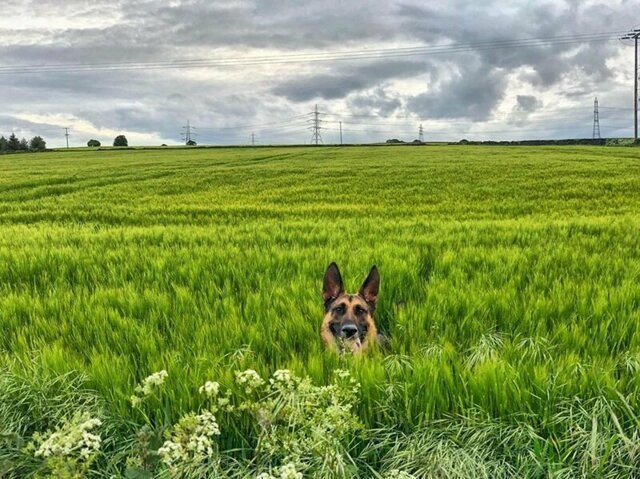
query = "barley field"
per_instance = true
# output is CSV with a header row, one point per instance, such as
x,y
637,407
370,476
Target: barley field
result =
x,y
510,291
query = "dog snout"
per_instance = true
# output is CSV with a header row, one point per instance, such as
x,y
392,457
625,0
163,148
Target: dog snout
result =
x,y
349,330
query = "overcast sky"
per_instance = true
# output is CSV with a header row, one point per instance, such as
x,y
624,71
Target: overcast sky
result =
x,y
500,93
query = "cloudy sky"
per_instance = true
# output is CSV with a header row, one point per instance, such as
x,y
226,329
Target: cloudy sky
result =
x,y
114,76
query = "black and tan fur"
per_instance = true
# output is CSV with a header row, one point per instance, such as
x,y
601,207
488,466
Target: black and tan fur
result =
x,y
348,323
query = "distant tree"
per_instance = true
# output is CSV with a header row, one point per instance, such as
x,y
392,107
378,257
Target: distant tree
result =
x,y
93,143
13,144
4,144
191,143
394,140
120,140
37,144
24,145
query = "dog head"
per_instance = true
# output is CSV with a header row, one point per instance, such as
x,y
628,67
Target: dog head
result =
x,y
348,318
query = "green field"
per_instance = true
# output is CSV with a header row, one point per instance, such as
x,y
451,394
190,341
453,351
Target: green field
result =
x,y
510,289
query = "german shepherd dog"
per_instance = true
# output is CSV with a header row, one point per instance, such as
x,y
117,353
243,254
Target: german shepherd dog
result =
x,y
348,318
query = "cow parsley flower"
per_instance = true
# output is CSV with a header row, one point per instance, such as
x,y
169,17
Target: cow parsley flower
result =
x,y
289,471
148,386
250,379
281,378
72,439
190,442
210,389
151,382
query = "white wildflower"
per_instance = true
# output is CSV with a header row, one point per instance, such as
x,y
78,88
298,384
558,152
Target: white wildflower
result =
x,y
281,378
147,386
289,471
210,389
250,379
151,382
282,375
191,440
72,438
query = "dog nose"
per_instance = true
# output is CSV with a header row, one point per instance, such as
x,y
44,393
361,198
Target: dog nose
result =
x,y
349,330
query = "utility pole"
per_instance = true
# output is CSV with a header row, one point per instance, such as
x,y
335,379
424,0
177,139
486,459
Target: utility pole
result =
x,y
341,133
421,134
66,134
188,136
596,119
315,127
253,138
633,35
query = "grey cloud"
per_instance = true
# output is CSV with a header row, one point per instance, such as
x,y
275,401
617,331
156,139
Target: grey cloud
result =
x,y
26,129
378,102
473,93
488,22
344,80
527,103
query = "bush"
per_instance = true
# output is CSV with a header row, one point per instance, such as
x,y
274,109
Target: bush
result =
x,y
93,143
120,140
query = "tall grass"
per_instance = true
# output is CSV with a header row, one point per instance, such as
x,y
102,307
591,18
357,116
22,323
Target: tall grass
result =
x,y
510,281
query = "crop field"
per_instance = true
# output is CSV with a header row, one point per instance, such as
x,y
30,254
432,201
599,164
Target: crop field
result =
x,y
510,291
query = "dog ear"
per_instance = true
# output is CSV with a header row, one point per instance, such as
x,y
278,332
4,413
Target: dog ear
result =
x,y
369,289
332,285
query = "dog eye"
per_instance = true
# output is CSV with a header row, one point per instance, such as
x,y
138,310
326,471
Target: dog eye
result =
x,y
359,310
339,309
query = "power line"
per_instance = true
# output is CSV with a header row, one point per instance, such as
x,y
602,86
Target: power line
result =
x,y
421,50
479,132
293,119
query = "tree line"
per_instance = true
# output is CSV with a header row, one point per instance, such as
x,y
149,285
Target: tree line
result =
x,y
13,145
37,143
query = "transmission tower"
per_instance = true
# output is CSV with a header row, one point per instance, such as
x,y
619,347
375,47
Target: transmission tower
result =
x,y
66,134
596,119
253,138
421,134
188,135
315,127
